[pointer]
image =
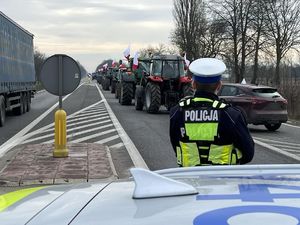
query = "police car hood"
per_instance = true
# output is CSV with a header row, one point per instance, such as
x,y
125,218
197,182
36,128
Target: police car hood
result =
x,y
268,194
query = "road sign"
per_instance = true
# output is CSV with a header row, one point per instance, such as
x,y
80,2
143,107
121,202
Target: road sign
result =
x,y
60,75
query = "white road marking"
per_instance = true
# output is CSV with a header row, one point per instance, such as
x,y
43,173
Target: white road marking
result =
x,y
18,138
68,131
134,154
82,118
293,156
82,132
289,125
94,136
119,145
105,140
279,142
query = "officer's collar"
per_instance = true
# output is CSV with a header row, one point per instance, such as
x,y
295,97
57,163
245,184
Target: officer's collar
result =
x,y
205,94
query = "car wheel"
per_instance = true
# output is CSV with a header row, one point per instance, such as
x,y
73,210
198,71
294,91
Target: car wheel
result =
x,y
272,126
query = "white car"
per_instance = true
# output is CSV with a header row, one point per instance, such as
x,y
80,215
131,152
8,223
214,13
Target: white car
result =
x,y
212,195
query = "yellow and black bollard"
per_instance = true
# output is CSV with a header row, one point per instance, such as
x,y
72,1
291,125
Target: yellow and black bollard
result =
x,y
60,150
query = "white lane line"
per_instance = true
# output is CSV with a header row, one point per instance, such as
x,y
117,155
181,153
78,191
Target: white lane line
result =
x,y
289,125
94,136
134,154
82,132
119,145
293,156
291,150
279,142
68,131
105,140
287,146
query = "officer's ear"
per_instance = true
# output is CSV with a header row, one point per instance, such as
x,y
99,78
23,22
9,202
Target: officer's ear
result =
x,y
219,85
194,85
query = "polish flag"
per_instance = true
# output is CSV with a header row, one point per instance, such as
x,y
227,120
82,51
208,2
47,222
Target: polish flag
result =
x,y
127,52
113,64
105,66
135,61
187,62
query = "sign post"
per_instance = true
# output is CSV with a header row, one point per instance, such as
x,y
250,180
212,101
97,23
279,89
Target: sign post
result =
x,y
60,75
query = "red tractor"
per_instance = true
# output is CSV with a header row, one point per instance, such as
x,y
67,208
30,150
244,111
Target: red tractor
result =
x,y
164,84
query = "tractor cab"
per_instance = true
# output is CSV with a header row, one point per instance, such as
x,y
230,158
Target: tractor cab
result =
x,y
167,66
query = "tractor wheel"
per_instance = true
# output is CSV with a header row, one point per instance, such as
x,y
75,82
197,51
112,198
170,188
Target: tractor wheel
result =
x,y
139,98
113,87
2,111
126,93
106,84
152,97
187,90
117,92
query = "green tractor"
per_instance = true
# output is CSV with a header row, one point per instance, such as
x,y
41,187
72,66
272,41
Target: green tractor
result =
x,y
127,79
164,84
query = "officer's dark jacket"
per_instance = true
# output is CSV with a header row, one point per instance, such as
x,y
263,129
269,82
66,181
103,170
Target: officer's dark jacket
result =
x,y
232,128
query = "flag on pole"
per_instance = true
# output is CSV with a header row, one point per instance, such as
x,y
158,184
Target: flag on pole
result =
x,y
105,66
127,52
135,61
113,63
187,62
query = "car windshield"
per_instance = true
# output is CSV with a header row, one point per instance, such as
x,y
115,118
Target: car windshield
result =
x,y
266,92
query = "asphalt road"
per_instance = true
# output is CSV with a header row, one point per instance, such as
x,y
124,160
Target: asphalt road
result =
x,y
148,132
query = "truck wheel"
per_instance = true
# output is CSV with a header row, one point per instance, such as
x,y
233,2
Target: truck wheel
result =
x,y
2,111
28,101
187,90
126,93
272,126
25,102
152,97
139,98
20,109
113,87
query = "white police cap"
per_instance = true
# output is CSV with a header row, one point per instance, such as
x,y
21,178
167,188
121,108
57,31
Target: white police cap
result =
x,y
207,70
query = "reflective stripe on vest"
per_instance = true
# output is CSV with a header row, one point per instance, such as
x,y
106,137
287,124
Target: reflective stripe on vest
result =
x,y
190,154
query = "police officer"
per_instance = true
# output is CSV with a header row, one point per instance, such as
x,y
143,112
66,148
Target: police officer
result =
x,y
205,130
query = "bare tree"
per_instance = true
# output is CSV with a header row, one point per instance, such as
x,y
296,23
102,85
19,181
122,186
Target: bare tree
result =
x,y
157,50
283,28
237,16
189,25
39,59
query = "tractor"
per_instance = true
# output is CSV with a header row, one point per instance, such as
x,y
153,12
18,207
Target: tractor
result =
x,y
127,79
164,84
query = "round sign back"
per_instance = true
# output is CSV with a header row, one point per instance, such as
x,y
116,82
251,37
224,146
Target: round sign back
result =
x,y
60,74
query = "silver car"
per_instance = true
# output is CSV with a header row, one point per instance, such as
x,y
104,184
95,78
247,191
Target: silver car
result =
x,y
235,195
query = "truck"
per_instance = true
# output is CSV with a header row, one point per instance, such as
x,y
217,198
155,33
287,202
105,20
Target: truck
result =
x,y
17,71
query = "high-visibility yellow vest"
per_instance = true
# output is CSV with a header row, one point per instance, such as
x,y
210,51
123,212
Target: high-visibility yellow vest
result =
x,y
200,132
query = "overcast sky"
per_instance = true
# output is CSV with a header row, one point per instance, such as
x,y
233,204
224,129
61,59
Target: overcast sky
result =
x,y
93,30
